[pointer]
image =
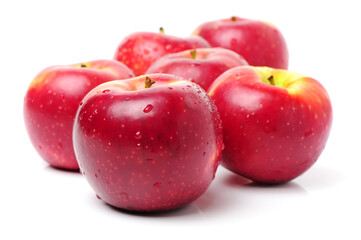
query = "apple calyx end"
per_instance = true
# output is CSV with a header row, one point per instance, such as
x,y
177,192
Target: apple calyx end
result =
x,y
161,30
148,82
193,53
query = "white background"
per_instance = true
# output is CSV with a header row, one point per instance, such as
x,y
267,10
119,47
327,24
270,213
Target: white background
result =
x,y
39,202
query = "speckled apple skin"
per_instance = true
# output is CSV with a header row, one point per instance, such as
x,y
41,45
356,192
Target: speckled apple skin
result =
x,y
259,42
51,102
271,134
207,65
148,150
139,50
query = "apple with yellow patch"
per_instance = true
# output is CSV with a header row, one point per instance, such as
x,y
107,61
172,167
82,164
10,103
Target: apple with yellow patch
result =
x,y
276,123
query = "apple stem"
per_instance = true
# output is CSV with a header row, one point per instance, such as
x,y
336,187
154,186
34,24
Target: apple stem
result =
x,y
233,18
148,82
193,53
161,30
271,80
83,65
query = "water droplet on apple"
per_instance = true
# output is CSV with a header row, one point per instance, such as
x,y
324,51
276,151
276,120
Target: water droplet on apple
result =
x,y
148,108
157,185
98,197
138,135
81,103
150,160
124,196
170,88
233,42
105,91
139,146
95,175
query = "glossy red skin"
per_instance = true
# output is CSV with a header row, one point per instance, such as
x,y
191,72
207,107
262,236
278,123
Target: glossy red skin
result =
x,y
52,100
139,50
271,135
258,42
151,149
203,70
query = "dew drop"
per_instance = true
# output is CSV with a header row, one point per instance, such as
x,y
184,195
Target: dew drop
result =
x,y
138,135
157,185
105,91
148,108
170,88
139,146
150,160
124,196
81,103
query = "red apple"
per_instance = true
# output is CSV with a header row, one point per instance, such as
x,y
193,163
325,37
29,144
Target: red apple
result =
x,y
148,149
202,65
259,42
52,100
139,50
276,123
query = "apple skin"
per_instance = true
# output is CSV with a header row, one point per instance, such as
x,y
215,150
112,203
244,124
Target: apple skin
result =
x,y
272,133
51,102
203,67
139,50
148,150
259,42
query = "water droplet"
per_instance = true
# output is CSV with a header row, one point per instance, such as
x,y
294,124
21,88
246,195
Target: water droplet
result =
x,y
223,146
168,47
233,42
170,88
127,99
99,197
139,146
60,145
148,108
95,175
124,196
138,135
157,185
105,91
150,160
81,103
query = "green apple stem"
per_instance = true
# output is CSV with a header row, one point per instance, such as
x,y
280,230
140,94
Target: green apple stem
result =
x,y
161,30
193,53
148,82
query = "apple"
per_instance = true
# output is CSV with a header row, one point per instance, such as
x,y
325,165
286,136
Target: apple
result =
x,y
51,102
139,50
202,65
276,123
259,42
150,143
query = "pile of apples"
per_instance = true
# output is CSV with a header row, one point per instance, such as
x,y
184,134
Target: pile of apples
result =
x,y
149,128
